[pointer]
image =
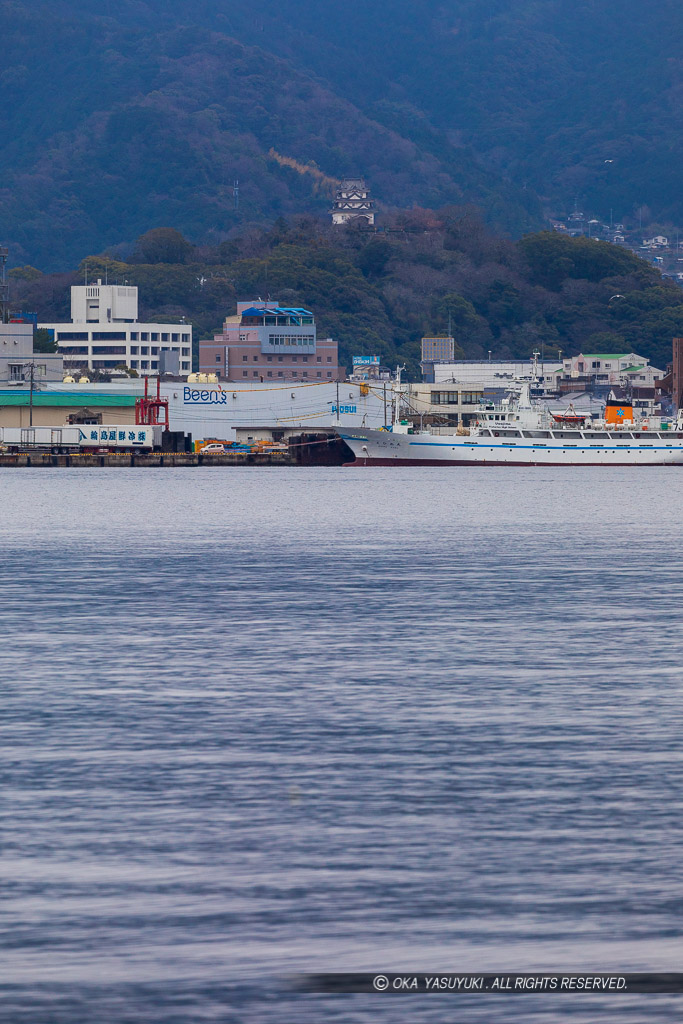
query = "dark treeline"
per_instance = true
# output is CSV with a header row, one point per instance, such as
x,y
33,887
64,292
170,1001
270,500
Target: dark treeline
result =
x,y
379,293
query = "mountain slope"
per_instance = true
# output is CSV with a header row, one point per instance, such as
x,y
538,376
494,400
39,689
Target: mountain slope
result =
x,y
117,117
152,127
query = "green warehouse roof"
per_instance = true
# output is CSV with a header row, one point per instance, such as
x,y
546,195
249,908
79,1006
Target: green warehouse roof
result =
x,y
65,398
606,355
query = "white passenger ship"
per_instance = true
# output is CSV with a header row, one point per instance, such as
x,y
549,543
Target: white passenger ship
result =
x,y
517,433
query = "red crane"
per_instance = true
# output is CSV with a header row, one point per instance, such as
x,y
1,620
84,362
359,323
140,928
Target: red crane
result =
x,y
150,411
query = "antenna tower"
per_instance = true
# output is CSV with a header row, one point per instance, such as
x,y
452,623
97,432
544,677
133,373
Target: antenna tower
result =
x,y
4,287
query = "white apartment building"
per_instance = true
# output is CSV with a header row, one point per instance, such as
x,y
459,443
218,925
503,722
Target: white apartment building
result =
x,y
606,369
104,333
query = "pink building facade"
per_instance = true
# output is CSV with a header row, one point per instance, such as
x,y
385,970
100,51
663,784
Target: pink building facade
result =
x,y
265,341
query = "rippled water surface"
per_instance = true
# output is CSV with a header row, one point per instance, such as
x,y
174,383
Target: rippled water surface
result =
x,y
264,721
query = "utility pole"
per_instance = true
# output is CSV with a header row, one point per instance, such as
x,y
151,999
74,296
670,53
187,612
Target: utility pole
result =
x,y
32,367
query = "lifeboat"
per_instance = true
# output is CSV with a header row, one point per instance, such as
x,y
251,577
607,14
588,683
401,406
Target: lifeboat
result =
x,y
569,419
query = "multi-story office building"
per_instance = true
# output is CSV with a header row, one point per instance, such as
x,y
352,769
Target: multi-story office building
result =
x,y
264,340
105,333
436,350
19,362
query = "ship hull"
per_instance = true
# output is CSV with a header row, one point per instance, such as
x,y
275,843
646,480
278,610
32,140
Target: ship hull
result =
x,y
384,448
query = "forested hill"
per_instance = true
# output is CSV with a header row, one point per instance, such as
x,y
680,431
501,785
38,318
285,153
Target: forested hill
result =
x,y
381,294
119,117
116,121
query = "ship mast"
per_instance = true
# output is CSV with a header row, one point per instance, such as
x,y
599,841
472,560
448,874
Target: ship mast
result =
x,y
397,394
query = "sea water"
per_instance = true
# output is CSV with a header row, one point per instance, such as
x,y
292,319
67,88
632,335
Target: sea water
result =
x,y
264,722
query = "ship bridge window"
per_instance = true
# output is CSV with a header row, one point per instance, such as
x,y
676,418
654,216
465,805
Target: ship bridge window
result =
x,y
507,433
536,433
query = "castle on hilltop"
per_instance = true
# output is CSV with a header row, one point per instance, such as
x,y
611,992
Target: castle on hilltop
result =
x,y
353,202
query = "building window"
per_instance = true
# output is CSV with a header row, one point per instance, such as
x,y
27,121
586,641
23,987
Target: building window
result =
x,y
186,352
144,336
72,336
255,373
155,364
305,373
144,350
133,335
256,359
134,364
294,373
186,366
319,374
269,358
155,350
245,358
329,359
444,397
144,364
270,373
319,358
186,338
245,373
155,336
218,358
305,358
164,337
471,397
108,335
279,359
133,350
329,373
175,337
279,373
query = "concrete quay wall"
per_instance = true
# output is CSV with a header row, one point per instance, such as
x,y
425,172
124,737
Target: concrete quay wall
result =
x,y
154,459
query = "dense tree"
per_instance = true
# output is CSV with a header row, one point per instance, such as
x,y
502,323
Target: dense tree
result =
x,y
161,245
426,277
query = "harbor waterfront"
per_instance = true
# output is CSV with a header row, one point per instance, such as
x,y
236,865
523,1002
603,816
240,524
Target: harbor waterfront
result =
x,y
257,725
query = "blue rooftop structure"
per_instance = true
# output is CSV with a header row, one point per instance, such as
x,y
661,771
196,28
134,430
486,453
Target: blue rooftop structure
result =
x,y
275,311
